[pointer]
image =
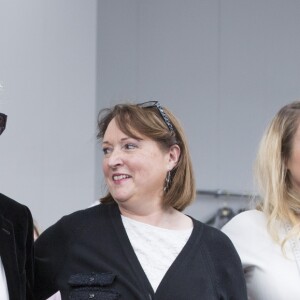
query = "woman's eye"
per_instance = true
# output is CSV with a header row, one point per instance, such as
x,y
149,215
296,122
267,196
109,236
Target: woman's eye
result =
x,y
130,146
106,151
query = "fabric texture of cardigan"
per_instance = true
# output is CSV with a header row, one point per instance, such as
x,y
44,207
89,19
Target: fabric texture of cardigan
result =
x,y
87,255
16,248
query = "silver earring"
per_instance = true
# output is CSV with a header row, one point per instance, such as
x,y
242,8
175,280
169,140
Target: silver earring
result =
x,y
168,181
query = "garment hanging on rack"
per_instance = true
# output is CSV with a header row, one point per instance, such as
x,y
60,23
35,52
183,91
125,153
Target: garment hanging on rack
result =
x,y
221,217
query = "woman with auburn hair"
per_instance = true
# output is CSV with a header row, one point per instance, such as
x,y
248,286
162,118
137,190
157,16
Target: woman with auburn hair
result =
x,y
267,239
137,244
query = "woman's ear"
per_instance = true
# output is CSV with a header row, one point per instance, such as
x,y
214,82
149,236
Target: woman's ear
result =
x,y
174,155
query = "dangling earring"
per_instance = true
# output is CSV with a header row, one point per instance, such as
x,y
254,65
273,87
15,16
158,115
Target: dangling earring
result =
x,y
168,181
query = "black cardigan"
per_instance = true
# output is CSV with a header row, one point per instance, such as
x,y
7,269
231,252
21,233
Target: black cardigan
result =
x,y
87,255
16,248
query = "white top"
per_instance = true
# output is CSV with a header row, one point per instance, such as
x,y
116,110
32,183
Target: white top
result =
x,y
3,283
156,248
56,296
269,274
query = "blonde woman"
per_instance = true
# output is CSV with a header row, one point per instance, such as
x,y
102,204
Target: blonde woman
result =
x,y
267,239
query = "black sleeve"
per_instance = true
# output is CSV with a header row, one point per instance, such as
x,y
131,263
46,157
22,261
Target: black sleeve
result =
x,y
227,266
50,249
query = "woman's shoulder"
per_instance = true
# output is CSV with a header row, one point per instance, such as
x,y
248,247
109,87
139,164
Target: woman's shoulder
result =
x,y
217,245
81,219
211,236
248,228
74,225
87,215
250,218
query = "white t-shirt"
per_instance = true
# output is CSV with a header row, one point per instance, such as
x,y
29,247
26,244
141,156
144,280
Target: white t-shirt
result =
x,y
3,283
269,274
156,248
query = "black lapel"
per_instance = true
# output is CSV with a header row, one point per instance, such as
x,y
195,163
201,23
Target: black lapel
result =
x,y
9,257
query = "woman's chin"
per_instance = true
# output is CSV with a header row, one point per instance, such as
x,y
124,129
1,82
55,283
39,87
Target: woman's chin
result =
x,y
120,199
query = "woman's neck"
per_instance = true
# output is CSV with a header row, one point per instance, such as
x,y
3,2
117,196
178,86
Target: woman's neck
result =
x,y
168,218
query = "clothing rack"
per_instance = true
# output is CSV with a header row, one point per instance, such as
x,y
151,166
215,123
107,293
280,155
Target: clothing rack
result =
x,y
224,193
228,210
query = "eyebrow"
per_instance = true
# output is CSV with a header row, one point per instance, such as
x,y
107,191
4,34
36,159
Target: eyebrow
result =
x,y
124,139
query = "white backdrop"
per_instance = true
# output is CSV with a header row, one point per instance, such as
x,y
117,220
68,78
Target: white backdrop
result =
x,y
47,70
223,67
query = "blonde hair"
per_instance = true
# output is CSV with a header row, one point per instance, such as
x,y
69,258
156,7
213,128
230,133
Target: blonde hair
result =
x,y
281,201
134,119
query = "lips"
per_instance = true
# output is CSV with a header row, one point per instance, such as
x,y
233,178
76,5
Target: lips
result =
x,y
120,177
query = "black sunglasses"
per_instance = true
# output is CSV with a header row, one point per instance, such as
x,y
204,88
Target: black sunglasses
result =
x,y
150,104
3,119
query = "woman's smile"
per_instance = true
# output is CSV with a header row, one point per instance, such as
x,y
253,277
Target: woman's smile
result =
x,y
135,168
118,178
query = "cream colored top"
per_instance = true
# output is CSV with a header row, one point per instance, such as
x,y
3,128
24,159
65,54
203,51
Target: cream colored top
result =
x,y
269,274
156,248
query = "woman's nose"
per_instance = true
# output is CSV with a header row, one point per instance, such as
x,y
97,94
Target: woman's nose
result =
x,y
115,158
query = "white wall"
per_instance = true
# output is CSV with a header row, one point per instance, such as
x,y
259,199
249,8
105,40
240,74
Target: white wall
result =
x,y
223,67
47,69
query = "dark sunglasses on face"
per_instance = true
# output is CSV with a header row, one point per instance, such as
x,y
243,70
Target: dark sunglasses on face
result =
x,y
150,104
3,119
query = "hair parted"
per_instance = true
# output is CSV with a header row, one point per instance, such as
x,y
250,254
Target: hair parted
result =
x,y
280,199
133,120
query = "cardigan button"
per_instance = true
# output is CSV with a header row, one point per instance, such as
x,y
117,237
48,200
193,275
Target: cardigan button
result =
x,y
91,296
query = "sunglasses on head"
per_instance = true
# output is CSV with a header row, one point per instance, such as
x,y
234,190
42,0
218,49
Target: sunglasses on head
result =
x,y
151,104
3,119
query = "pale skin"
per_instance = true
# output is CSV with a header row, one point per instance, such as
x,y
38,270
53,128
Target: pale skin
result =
x,y
135,172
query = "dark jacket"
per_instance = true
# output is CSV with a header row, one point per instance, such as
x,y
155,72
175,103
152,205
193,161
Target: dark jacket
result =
x,y
16,248
88,255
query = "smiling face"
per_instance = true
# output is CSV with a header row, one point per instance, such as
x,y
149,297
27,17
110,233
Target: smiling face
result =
x,y
135,169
